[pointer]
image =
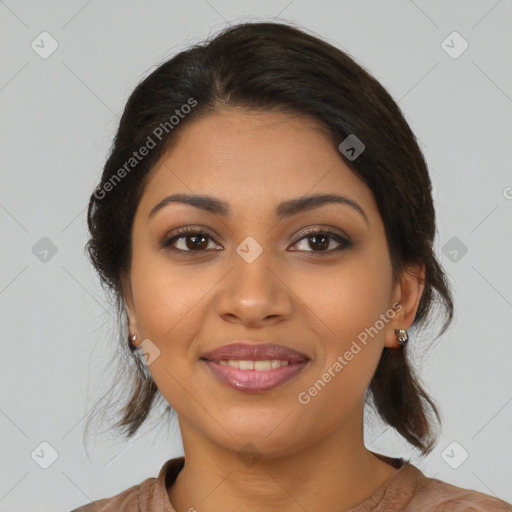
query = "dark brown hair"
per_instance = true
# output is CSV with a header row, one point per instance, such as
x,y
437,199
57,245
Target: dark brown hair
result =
x,y
274,66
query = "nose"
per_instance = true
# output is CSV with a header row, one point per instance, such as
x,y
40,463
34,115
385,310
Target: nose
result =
x,y
253,293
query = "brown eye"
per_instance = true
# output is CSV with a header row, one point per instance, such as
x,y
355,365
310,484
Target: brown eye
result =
x,y
320,240
190,239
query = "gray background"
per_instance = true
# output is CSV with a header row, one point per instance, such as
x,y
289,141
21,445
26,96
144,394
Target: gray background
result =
x,y
59,117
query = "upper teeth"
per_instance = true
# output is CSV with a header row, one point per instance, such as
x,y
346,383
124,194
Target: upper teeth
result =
x,y
255,365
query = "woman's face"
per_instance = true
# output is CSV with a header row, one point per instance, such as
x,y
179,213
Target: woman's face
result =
x,y
254,274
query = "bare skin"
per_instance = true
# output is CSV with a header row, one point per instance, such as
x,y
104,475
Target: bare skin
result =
x,y
313,455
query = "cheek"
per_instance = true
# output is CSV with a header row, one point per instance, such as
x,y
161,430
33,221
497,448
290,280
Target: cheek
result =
x,y
163,296
168,304
171,304
345,306
348,298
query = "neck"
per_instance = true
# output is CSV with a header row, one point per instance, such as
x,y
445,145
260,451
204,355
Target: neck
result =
x,y
335,473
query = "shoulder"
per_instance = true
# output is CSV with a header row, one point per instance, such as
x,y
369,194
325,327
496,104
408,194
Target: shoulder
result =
x,y
148,496
434,495
125,501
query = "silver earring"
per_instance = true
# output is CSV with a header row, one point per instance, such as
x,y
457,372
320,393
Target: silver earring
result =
x,y
402,336
131,341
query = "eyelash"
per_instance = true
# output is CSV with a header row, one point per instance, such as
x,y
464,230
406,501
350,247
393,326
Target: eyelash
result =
x,y
186,232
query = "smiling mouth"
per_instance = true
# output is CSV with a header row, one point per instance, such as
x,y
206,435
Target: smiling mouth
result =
x,y
250,350
265,364
254,376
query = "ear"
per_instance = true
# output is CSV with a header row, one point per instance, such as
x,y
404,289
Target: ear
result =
x,y
129,306
406,299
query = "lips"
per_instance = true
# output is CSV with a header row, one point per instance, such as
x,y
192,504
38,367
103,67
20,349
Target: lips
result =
x,y
248,350
276,365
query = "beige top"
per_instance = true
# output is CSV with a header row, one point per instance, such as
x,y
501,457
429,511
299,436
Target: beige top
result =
x,y
407,490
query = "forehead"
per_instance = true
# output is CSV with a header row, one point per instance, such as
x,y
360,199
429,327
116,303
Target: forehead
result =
x,y
253,159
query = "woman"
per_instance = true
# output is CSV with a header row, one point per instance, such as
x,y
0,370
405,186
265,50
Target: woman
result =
x,y
266,224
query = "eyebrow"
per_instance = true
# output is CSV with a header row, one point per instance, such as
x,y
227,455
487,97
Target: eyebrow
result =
x,y
284,210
